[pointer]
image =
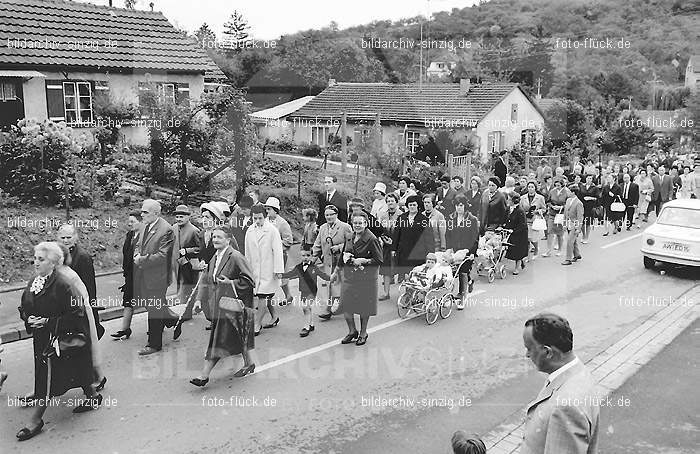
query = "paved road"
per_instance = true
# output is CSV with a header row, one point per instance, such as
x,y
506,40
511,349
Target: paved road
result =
x,y
315,396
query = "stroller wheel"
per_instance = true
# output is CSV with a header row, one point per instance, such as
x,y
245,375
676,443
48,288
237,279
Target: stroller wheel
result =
x,y
446,305
403,305
491,276
431,311
502,271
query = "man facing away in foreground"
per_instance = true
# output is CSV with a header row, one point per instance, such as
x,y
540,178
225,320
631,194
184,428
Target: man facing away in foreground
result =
x,y
563,419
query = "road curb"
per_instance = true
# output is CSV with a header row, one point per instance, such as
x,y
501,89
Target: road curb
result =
x,y
613,366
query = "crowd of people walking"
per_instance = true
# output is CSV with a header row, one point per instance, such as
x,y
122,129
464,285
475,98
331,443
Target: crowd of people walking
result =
x,y
230,261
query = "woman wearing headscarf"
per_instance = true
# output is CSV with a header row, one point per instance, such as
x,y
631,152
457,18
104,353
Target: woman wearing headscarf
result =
x,y
555,216
462,233
412,238
518,248
493,210
534,207
228,275
48,310
359,263
646,189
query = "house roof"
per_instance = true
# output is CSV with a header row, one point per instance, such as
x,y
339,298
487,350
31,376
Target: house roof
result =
x,y
407,103
277,112
45,33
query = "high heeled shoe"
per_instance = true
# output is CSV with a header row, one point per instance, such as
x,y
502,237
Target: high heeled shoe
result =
x,y
350,338
126,333
273,324
199,381
257,333
245,370
26,433
101,385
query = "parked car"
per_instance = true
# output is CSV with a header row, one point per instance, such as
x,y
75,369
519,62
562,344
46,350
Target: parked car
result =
x,y
675,236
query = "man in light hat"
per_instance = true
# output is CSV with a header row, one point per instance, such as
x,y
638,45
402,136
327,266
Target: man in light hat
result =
x,y
272,205
186,247
379,206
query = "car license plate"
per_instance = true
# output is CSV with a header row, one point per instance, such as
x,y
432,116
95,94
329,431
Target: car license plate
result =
x,y
675,247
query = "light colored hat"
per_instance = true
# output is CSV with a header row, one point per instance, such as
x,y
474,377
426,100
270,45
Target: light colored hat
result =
x,y
183,209
273,202
223,206
214,209
381,187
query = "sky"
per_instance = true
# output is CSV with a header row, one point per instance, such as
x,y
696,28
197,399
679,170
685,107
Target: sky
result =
x,y
272,18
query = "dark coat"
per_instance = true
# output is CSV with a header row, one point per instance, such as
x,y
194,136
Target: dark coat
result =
x,y
494,211
239,230
606,199
81,263
518,239
588,205
632,194
500,170
153,275
412,242
228,337
54,301
464,235
474,203
340,202
666,188
308,284
358,293
187,238
445,203
128,265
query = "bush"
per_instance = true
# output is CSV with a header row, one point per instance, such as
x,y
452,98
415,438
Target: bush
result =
x,y
311,150
284,144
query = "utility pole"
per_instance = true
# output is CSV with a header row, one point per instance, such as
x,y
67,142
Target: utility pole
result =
x,y
343,144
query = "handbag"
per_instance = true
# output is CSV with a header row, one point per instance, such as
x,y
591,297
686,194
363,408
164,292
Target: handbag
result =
x,y
231,304
559,218
65,345
617,206
539,224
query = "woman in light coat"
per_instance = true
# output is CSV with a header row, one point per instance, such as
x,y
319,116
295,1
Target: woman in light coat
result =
x,y
328,247
646,189
263,250
534,206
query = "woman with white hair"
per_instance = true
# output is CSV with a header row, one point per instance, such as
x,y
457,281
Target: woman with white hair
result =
x,y
61,336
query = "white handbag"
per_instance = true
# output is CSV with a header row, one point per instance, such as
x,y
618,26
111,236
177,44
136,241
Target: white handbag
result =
x,y
559,218
539,224
617,207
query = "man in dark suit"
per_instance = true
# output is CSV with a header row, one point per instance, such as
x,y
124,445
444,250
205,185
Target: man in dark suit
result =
x,y
242,221
332,197
444,196
499,167
186,246
630,197
665,187
655,202
153,274
81,263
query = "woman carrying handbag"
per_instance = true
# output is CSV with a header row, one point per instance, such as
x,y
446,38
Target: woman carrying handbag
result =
x,y
228,287
610,194
534,206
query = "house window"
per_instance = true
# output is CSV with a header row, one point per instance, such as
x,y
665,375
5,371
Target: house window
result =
x,y
77,100
167,91
514,113
8,91
319,135
412,141
527,138
495,141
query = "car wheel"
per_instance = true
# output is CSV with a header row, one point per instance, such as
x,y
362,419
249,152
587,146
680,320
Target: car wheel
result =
x,y
648,263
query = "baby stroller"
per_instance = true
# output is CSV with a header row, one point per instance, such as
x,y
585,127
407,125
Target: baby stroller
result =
x,y
492,250
417,295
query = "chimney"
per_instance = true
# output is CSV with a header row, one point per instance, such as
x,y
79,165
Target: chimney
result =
x,y
331,82
110,3
464,86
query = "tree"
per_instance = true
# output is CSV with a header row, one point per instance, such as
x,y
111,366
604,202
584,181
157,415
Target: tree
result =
x,y
130,4
205,37
628,135
236,36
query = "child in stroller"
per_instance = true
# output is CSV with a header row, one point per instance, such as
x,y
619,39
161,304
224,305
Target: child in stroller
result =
x,y
430,275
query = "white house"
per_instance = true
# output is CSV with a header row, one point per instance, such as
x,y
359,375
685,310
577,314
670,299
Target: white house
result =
x,y
493,116
272,123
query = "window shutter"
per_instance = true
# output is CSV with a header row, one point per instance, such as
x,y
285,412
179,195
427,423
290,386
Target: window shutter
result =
x,y
182,93
489,143
54,100
501,141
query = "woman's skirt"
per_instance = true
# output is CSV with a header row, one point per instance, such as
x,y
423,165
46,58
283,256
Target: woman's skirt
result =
x,y
557,229
359,293
232,334
387,268
66,373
